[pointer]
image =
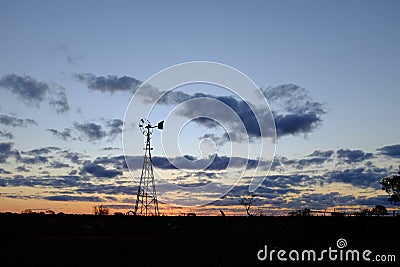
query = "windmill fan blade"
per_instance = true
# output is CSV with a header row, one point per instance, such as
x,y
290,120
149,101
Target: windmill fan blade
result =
x,y
141,123
160,125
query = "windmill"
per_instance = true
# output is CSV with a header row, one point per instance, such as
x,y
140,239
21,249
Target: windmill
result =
x,y
146,200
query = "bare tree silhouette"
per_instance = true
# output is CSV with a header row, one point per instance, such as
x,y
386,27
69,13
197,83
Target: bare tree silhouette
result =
x,y
247,202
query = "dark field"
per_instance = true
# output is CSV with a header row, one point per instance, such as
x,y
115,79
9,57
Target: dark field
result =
x,y
83,240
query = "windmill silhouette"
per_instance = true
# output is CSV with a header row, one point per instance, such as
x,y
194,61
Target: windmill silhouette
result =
x,y
146,200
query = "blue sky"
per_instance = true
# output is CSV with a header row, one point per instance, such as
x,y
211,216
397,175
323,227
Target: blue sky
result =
x,y
343,53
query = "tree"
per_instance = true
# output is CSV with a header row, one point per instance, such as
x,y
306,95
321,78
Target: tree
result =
x,y
379,210
363,212
247,201
391,184
100,210
27,211
303,212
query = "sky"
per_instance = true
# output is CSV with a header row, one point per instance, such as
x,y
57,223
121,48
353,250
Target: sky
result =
x,y
69,69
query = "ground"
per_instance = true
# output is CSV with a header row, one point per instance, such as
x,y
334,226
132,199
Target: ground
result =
x,y
84,240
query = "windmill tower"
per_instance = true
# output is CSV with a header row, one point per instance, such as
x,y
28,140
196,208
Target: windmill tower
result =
x,y
146,200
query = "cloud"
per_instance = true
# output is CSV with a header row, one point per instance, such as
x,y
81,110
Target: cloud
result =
x,y
391,151
294,111
74,157
109,83
75,198
73,186
110,189
90,130
292,98
26,88
213,162
122,206
274,190
294,124
171,97
22,169
99,171
353,156
311,161
12,121
117,162
319,201
64,181
298,199
34,92
6,134
114,127
359,177
64,134
37,156
6,151
215,110
30,122
41,151
322,153
59,165
3,171
32,160
318,157
110,148
371,201
59,100
71,59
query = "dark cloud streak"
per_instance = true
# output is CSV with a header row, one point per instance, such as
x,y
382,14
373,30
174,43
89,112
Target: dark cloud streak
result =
x,y
6,134
353,156
12,121
34,92
64,134
75,198
6,151
390,151
90,130
99,171
109,83
3,171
